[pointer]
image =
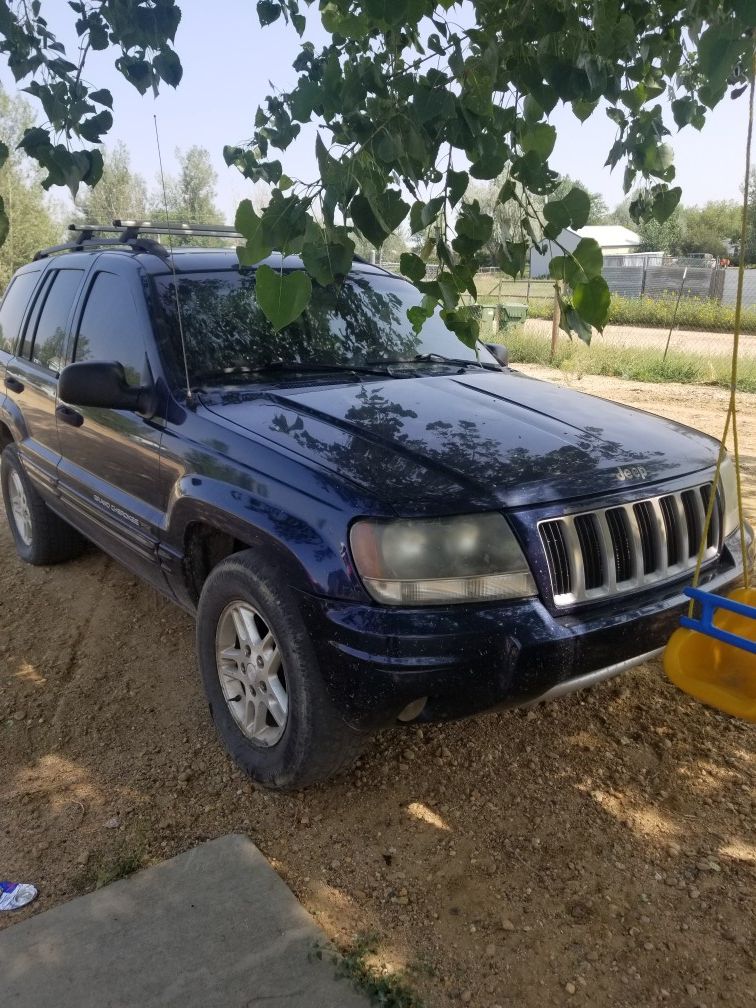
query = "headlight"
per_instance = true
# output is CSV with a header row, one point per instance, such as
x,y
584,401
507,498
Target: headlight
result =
x,y
471,558
730,518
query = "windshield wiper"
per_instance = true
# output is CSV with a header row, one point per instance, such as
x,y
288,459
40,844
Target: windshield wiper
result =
x,y
436,358
242,371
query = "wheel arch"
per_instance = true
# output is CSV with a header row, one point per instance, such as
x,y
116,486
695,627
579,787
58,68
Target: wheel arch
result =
x,y
6,435
206,536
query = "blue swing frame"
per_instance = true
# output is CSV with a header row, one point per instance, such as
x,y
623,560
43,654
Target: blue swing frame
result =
x,y
709,604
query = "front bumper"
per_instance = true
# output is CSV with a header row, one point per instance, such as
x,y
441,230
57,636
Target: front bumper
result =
x,y
465,659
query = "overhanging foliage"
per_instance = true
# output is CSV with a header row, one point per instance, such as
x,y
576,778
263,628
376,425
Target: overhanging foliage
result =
x,y
411,99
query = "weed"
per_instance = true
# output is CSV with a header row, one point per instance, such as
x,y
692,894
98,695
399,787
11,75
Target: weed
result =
x,y
107,868
698,314
387,990
634,363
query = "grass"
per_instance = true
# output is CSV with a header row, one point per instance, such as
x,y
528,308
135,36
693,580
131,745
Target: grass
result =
x,y
107,868
698,314
387,990
636,364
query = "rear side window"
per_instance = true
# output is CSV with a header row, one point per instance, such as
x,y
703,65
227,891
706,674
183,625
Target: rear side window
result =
x,y
50,334
13,308
110,327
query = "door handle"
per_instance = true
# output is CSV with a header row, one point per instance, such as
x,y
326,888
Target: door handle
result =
x,y
69,416
14,384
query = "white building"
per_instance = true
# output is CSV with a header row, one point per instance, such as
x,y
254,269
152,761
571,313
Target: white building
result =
x,y
614,240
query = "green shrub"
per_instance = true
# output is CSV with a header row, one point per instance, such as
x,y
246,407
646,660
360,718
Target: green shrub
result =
x,y
641,364
699,314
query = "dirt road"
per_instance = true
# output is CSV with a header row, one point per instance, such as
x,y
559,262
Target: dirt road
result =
x,y
599,851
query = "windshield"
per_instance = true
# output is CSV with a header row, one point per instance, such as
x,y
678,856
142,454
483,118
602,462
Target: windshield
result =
x,y
361,321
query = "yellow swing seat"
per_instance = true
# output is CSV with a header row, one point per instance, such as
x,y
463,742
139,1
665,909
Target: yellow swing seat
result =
x,y
714,658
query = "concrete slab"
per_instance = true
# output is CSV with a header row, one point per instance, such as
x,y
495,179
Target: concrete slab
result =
x,y
212,928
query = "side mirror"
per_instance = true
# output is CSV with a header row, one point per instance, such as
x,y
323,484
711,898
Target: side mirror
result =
x,y
499,352
103,385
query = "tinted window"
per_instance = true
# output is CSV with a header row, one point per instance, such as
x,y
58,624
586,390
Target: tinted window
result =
x,y
50,334
362,320
109,329
13,308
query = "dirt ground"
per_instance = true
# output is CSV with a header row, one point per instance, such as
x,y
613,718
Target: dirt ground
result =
x,y
598,851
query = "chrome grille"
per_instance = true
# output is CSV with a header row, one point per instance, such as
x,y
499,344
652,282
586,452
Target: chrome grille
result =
x,y
615,550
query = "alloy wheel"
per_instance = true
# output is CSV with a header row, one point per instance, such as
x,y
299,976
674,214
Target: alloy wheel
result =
x,y
20,508
251,674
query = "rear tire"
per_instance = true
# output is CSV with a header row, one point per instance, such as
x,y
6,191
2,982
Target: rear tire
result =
x,y
40,536
273,712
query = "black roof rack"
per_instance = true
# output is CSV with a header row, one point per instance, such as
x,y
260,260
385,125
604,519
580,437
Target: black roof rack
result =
x,y
179,229
131,233
88,236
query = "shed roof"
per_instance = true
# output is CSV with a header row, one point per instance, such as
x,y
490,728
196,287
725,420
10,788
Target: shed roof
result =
x,y
610,235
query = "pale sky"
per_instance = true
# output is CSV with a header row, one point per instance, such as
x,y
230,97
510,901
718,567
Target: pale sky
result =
x,y
229,61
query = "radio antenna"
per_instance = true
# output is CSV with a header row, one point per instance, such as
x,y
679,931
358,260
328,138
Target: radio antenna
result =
x,y
173,266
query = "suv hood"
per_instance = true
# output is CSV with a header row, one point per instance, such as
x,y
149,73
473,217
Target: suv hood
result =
x,y
487,440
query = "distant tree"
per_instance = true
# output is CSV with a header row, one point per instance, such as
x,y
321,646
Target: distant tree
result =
x,y
713,228
34,220
191,194
666,236
120,193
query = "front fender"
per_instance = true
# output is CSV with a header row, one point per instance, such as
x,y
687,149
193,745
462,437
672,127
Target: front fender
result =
x,y
308,541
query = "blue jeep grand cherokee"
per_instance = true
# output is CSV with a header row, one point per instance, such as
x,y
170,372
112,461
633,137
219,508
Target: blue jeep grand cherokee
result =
x,y
370,525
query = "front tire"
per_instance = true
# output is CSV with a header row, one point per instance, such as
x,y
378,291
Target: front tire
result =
x,y
40,536
266,694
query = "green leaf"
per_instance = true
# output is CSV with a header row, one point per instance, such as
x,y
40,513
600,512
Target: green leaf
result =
x,y
539,138
719,49
473,224
102,97
665,202
557,215
418,316
284,221
589,256
591,301
571,322
448,290
366,221
457,182
4,153
168,66
411,266
268,12
463,323
531,109
578,205
282,296
511,258
583,109
422,215
93,128
327,256
250,225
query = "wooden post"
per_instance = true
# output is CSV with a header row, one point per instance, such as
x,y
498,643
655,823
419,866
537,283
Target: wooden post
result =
x,y
555,321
